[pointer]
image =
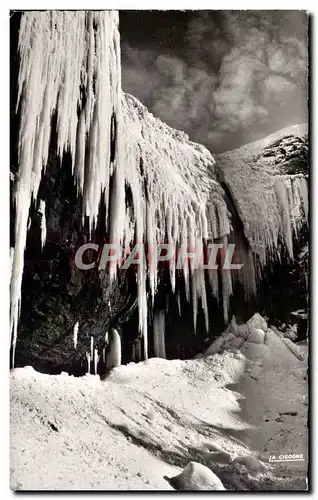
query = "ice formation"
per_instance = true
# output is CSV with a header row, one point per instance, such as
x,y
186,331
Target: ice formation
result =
x,y
176,200
159,334
75,334
70,67
272,205
88,358
96,360
41,211
64,56
92,348
113,357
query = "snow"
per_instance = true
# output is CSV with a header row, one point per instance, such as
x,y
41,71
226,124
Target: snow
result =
x,y
229,412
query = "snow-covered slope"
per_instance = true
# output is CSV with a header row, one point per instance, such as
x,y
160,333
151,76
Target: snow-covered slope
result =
x,y
149,420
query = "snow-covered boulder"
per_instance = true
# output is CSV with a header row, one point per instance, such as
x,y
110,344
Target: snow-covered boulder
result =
x,y
215,347
196,476
255,352
216,457
228,339
233,326
256,335
291,332
297,351
250,462
257,321
278,332
243,331
237,342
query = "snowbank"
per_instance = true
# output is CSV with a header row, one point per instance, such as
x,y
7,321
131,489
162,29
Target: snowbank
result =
x,y
149,420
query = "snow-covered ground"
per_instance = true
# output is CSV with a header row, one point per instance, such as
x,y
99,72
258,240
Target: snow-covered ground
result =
x,y
149,420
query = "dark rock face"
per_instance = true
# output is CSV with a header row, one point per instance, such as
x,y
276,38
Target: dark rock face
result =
x,y
284,288
290,153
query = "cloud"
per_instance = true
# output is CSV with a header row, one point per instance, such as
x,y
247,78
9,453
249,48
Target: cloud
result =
x,y
240,74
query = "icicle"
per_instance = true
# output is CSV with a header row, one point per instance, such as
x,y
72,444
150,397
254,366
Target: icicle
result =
x,y
194,297
286,227
75,333
96,359
152,250
11,259
304,194
179,303
214,282
200,282
43,222
92,347
226,283
172,268
159,334
64,55
302,188
202,294
88,357
113,357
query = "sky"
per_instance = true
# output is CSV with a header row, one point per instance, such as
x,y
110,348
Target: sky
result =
x,y
226,78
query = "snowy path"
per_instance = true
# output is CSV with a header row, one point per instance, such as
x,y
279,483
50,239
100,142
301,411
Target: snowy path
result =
x,y
277,381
